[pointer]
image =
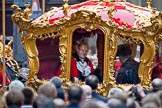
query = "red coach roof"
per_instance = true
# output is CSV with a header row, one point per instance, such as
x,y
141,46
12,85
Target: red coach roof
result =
x,y
126,13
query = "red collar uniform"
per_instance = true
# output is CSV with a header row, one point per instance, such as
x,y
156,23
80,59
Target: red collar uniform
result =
x,y
81,68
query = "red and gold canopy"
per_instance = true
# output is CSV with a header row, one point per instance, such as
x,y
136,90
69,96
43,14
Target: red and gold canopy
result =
x,y
126,13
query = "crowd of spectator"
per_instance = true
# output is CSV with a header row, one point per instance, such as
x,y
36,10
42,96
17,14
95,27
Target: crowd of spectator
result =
x,y
53,95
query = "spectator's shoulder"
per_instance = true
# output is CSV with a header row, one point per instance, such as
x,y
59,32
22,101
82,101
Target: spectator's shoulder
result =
x,y
98,96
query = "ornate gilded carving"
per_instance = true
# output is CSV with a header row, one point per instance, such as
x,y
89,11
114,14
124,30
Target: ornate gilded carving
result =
x,y
112,49
27,11
63,44
149,3
66,7
146,63
111,10
142,19
21,19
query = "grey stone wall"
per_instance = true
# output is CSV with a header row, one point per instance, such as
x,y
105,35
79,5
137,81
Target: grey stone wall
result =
x,y
137,2
155,3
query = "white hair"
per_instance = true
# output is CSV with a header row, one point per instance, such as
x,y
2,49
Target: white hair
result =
x,y
114,91
87,91
16,85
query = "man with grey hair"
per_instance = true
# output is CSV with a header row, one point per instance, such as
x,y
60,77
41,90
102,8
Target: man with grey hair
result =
x,y
93,82
58,83
14,99
151,98
115,103
156,85
47,89
114,91
87,91
75,96
16,85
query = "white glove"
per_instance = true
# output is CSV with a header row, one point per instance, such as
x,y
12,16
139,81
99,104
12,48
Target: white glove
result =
x,y
76,79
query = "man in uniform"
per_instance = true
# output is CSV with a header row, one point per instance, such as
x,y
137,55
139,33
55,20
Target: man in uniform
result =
x,y
81,66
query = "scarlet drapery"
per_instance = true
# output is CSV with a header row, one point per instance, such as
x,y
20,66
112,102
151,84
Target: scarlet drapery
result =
x,y
48,58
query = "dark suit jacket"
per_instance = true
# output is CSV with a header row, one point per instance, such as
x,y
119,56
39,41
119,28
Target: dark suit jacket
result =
x,y
73,105
13,106
131,72
99,97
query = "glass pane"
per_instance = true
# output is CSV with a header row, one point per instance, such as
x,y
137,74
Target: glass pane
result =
x,y
157,66
127,64
91,59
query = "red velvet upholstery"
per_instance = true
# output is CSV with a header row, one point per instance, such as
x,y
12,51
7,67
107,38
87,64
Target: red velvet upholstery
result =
x,y
100,50
48,57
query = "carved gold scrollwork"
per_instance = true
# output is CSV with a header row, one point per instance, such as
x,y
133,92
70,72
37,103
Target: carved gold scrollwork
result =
x,y
22,19
149,3
66,8
27,12
63,51
146,63
156,27
111,10
84,15
112,49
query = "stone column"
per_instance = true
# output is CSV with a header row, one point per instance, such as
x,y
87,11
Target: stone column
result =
x,y
136,2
